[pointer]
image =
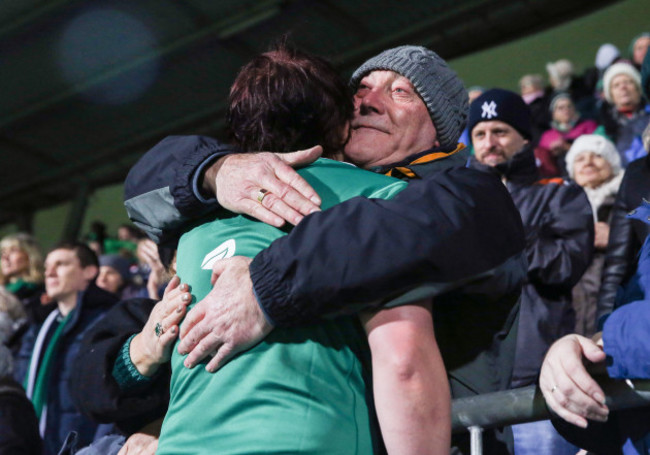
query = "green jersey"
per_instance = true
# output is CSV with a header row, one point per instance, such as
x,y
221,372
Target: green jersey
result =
x,y
302,389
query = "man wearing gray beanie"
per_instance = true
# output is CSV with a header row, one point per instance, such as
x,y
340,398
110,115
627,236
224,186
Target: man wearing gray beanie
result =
x,y
410,109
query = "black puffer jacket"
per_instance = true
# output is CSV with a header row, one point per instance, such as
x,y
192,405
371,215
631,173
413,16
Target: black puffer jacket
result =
x,y
559,246
626,235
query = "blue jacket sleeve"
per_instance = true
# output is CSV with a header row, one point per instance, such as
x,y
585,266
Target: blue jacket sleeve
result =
x,y
160,191
625,335
443,230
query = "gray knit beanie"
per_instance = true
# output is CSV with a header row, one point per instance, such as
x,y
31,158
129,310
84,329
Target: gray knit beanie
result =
x,y
438,85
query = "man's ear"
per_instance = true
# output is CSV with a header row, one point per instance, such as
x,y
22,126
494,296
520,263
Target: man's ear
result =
x,y
90,272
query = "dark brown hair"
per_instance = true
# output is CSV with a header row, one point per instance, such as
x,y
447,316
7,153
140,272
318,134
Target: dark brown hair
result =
x,y
285,100
86,256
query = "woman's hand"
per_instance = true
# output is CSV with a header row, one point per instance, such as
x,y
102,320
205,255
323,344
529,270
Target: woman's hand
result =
x,y
153,345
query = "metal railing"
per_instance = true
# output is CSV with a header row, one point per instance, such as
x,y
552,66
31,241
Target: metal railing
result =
x,y
491,410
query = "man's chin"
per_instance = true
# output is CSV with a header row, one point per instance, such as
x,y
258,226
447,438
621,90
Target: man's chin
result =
x,y
492,160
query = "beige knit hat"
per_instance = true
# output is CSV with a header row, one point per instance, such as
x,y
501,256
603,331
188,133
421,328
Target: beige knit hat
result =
x,y
597,144
615,70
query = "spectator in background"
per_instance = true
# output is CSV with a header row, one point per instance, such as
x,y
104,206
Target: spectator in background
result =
x,y
537,97
559,237
18,423
573,394
624,115
626,234
115,277
626,237
129,233
97,236
560,74
21,272
638,49
594,164
566,126
48,350
607,55
13,320
563,79
472,93
21,265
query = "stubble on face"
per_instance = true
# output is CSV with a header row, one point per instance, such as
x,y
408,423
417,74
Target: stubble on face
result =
x,y
496,142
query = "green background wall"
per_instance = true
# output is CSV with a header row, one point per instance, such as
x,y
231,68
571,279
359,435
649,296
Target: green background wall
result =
x,y
502,66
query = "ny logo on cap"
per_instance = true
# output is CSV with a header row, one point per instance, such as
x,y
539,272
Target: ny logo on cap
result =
x,y
489,110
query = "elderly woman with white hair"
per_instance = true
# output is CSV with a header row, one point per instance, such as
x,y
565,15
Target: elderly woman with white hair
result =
x,y
594,164
624,115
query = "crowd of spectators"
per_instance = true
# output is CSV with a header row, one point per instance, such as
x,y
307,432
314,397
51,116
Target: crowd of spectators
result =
x,y
88,329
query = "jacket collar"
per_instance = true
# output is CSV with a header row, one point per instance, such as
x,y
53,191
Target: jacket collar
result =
x,y
91,297
443,157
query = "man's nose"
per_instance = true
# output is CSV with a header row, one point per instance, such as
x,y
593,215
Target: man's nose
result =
x,y
491,139
371,102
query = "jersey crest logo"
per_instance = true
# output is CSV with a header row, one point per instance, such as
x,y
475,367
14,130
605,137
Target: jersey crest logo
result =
x,y
223,251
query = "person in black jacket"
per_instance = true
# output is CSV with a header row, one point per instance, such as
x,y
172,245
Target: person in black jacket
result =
x,y
441,231
18,421
559,234
626,234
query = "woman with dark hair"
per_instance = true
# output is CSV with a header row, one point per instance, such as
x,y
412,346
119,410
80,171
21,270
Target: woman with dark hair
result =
x,y
304,389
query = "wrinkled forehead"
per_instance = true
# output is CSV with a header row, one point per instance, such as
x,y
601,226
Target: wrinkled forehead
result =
x,y
622,77
385,76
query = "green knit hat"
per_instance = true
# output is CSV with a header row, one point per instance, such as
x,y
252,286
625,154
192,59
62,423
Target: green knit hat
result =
x,y
438,85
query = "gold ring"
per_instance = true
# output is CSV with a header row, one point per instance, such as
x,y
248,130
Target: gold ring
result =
x,y
261,194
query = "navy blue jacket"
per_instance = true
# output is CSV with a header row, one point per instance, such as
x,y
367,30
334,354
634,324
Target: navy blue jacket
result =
x,y
559,229
63,416
94,389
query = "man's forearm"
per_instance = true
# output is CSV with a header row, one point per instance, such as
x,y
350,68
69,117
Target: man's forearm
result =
x,y
444,230
411,389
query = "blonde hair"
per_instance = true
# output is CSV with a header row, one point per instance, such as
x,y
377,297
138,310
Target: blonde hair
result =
x,y
27,243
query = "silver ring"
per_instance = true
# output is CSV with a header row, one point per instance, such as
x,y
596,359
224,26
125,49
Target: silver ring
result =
x,y
159,329
553,389
261,194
